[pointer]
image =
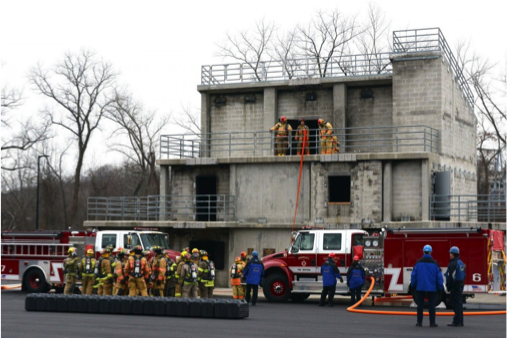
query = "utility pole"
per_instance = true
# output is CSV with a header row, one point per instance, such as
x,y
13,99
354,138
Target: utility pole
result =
x,y
38,180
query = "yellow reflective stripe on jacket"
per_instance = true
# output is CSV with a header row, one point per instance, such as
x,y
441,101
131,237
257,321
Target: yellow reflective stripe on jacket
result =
x,y
189,283
87,274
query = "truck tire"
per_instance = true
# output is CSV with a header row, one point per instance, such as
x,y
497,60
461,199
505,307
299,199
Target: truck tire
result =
x,y
34,281
440,298
276,288
299,297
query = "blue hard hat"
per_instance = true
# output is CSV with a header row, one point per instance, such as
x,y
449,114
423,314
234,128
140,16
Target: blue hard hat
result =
x,y
255,253
427,248
454,250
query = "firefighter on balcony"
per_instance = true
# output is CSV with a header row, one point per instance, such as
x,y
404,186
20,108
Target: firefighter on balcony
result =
x,y
329,273
139,272
236,272
355,280
455,282
427,280
326,136
122,277
170,276
180,262
71,270
104,273
158,269
206,276
301,138
86,269
189,275
283,130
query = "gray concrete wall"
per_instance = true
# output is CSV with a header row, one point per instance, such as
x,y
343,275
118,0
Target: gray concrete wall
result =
x,y
293,104
269,191
407,190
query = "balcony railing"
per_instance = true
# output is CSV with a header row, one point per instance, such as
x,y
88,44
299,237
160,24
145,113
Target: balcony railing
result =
x,y
413,138
478,208
432,39
212,207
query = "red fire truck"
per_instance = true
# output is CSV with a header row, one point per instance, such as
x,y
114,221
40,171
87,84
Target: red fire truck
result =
x,y
388,256
35,259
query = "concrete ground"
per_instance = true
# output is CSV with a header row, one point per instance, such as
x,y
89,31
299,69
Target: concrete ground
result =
x,y
266,320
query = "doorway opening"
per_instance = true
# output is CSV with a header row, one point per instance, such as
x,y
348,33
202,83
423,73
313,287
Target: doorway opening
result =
x,y
313,138
206,198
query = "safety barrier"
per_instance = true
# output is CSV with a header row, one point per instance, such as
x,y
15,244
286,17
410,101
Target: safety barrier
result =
x,y
159,306
409,138
205,207
478,208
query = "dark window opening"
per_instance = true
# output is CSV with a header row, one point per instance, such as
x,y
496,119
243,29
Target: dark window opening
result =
x,y
206,199
108,239
339,189
313,138
215,249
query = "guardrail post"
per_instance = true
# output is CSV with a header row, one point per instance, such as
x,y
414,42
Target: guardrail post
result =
x,y
396,139
192,149
459,208
254,143
424,129
230,143
369,141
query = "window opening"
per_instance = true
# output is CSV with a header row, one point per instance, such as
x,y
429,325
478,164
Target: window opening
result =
x,y
339,189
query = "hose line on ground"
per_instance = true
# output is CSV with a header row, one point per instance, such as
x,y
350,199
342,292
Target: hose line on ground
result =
x,y
353,308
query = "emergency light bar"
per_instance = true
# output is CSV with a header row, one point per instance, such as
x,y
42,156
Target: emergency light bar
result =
x,y
434,230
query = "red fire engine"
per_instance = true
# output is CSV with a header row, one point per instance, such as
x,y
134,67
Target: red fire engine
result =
x,y
388,256
36,258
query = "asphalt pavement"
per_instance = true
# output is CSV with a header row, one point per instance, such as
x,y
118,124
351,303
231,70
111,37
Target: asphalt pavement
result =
x,y
266,319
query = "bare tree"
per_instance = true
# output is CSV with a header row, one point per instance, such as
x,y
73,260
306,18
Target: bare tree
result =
x,y
79,86
142,129
189,120
374,40
325,39
284,50
19,135
250,48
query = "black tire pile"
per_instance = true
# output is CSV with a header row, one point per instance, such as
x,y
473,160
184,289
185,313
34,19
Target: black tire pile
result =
x,y
160,306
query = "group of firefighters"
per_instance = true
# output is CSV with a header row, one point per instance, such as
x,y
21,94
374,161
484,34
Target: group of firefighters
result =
x,y
328,142
131,273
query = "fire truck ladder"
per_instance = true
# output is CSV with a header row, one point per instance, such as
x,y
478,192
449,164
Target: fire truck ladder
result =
x,y
35,250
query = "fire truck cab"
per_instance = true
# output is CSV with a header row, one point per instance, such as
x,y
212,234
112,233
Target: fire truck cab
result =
x,y
35,258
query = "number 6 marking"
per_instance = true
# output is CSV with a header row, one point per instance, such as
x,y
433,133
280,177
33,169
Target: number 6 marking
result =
x,y
476,277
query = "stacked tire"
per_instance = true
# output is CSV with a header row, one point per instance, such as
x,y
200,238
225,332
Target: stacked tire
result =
x,y
159,306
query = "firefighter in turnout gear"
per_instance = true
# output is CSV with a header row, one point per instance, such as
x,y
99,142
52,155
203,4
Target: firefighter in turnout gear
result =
x,y
139,272
158,269
179,267
122,277
236,272
326,136
283,130
189,274
244,261
104,273
302,138
206,276
86,269
71,271
170,277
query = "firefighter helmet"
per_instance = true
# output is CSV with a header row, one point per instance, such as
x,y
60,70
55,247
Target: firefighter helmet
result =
x,y
89,252
185,249
332,255
356,258
157,249
107,250
321,121
120,254
204,253
302,119
188,256
454,250
427,249
255,254
72,251
138,249
242,254
195,250
237,260
283,119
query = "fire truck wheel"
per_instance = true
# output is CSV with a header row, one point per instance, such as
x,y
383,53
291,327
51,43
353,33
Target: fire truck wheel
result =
x,y
35,282
276,288
440,298
299,297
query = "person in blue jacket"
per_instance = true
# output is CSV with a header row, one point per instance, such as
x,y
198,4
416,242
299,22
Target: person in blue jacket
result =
x,y
355,280
455,282
253,273
427,280
329,273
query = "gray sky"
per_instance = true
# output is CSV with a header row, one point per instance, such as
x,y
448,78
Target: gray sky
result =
x,y
159,46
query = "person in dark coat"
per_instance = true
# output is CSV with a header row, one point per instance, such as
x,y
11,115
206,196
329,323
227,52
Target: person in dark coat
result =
x,y
253,273
355,280
427,280
455,282
329,273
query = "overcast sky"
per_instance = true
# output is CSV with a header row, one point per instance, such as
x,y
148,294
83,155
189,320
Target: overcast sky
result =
x,y
159,46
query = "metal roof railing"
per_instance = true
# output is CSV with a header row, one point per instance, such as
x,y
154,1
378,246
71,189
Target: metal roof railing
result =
x,y
475,208
432,39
